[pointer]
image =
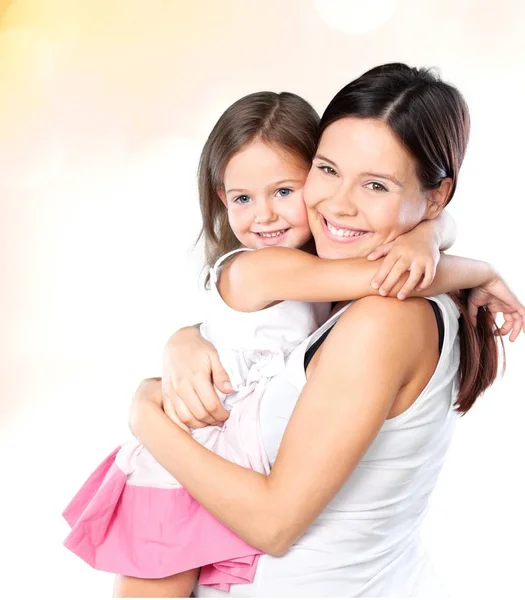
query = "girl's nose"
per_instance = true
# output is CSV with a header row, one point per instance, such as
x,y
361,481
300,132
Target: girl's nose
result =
x,y
264,213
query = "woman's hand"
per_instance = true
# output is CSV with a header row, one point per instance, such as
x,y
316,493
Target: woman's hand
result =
x,y
416,252
498,298
191,367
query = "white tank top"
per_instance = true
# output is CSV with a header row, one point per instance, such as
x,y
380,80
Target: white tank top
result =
x,y
367,540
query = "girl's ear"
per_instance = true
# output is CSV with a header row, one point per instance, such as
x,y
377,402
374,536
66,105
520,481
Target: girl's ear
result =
x,y
437,199
222,195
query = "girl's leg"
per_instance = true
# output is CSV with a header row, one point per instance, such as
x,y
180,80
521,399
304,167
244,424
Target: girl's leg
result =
x,y
176,586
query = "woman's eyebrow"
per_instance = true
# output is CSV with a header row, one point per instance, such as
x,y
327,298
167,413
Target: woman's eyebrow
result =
x,y
323,158
384,176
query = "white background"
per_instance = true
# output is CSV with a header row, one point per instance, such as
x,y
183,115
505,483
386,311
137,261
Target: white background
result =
x,y
104,107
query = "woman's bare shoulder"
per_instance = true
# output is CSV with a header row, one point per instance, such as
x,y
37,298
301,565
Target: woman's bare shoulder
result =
x,y
377,310
406,325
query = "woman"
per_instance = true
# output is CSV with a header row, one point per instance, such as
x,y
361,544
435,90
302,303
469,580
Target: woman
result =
x,y
357,426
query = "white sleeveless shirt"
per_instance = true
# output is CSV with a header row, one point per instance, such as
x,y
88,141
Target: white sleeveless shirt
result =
x,y
367,540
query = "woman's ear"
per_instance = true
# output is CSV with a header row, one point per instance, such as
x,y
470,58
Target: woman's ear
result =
x,y
222,195
437,199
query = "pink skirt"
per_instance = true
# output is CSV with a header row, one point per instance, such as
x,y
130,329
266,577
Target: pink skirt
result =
x,y
150,532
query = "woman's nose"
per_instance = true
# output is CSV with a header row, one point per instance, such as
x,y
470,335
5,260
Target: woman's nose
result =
x,y
344,203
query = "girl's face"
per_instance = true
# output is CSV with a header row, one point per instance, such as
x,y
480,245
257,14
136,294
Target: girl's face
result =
x,y
362,190
263,193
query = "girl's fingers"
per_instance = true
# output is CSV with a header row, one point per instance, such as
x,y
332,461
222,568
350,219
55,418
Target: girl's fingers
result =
x,y
220,377
182,412
210,401
387,266
413,279
380,251
167,405
393,277
507,325
190,409
430,273
515,331
517,326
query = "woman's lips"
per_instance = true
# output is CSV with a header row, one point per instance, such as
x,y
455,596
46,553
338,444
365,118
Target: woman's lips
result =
x,y
342,235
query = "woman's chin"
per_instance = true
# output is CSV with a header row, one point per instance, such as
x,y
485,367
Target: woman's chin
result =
x,y
336,251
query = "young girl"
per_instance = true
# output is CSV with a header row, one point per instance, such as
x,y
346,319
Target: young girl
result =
x,y
132,517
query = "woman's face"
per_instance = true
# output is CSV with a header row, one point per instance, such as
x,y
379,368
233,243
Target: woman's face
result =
x,y
362,190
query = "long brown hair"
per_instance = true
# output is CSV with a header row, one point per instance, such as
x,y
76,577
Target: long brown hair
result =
x,y
431,119
281,120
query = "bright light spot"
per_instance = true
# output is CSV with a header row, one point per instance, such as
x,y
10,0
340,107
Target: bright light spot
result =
x,y
355,16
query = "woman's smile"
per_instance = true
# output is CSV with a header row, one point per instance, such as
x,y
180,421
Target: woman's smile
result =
x,y
339,233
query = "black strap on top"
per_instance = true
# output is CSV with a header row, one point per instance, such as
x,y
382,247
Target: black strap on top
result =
x,y
439,320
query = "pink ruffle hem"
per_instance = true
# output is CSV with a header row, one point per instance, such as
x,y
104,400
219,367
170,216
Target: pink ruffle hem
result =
x,y
151,533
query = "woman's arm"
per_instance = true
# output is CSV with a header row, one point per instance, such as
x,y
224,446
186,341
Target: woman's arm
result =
x,y
342,407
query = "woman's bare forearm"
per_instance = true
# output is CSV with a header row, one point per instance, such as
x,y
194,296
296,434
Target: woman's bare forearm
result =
x,y
245,507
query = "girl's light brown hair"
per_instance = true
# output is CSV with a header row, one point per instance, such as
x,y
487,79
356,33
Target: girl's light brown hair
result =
x,y
284,121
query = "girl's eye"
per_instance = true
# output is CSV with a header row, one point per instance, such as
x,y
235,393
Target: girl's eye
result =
x,y
376,187
326,169
242,199
283,192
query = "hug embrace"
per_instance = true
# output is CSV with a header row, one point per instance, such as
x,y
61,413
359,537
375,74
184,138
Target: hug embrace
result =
x,y
296,436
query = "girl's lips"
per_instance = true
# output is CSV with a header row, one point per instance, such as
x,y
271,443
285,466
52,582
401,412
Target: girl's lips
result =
x,y
340,238
271,241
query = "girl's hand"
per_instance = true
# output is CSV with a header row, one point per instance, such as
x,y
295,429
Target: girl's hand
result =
x,y
497,297
417,252
191,367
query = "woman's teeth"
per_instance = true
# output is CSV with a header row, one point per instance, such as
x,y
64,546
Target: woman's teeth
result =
x,y
272,234
343,232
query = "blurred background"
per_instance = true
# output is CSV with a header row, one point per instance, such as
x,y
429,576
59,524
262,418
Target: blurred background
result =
x,y
104,107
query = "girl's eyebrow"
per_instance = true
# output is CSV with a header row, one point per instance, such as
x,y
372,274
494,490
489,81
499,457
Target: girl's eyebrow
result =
x,y
290,180
272,184
235,190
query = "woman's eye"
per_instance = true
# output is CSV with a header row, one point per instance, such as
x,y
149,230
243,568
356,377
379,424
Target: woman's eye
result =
x,y
376,187
283,192
328,170
242,199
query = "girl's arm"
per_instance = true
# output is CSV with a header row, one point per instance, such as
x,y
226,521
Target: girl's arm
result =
x,y
415,253
445,229
254,280
339,413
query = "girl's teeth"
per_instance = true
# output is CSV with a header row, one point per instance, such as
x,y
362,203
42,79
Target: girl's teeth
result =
x,y
274,234
343,232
